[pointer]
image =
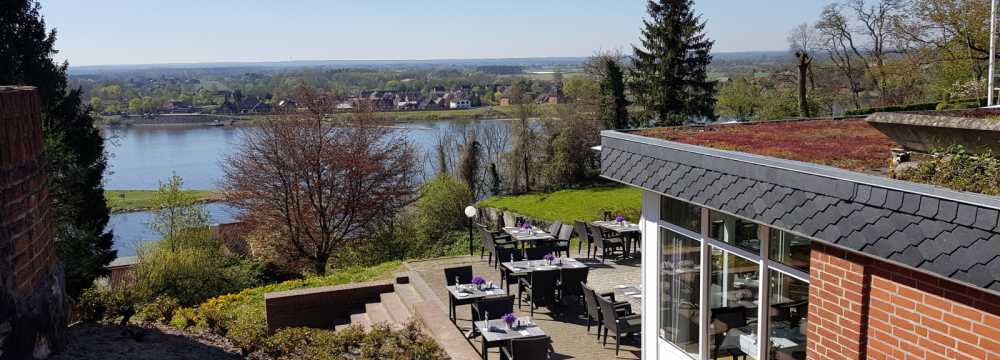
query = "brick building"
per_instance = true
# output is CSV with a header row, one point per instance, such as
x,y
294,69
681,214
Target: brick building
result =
x,y
751,254
32,300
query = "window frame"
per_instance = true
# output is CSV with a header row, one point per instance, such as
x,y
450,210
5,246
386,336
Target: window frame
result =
x,y
762,259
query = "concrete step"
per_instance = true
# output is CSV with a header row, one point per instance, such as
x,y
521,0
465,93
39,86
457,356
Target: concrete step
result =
x,y
409,295
399,313
361,319
426,293
449,337
378,314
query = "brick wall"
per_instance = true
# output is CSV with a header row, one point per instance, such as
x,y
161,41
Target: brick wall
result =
x,y
864,308
32,304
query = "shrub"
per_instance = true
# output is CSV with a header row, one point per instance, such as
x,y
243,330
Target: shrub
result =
x,y
247,330
97,304
188,274
440,207
184,318
160,310
381,342
959,170
92,304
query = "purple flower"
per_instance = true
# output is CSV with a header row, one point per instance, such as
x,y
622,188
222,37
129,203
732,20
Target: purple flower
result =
x,y
509,318
526,226
619,218
478,280
549,257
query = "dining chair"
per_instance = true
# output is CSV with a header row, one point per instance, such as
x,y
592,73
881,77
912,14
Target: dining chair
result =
x,y
617,324
569,282
563,238
604,243
554,228
540,287
493,307
593,308
463,274
530,348
537,253
583,233
723,325
508,276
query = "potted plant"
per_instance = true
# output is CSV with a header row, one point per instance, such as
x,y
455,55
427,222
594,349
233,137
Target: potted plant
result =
x,y
478,281
549,257
620,220
509,318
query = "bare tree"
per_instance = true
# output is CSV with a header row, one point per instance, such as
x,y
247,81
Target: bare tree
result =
x,y
877,21
837,39
317,182
801,40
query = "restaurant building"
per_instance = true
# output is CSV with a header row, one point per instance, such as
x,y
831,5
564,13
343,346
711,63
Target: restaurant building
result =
x,y
789,241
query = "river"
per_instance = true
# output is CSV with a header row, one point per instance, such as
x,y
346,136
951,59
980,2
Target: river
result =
x,y
139,158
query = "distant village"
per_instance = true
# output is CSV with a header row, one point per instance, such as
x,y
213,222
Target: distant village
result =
x,y
436,98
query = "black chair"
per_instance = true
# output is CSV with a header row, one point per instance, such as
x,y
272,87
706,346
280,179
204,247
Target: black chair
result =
x,y
463,274
554,228
537,253
570,281
486,242
583,233
493,307
724,321
540,288
605,243
531,348
617,324
507,276
561,244
593,308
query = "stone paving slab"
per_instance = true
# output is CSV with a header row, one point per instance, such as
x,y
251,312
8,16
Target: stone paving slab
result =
x,y
569,331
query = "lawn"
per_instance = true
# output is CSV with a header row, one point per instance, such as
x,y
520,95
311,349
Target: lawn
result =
x,y
133,200
569,205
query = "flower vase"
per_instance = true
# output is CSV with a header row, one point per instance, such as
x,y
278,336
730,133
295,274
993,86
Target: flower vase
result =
x,y
510,325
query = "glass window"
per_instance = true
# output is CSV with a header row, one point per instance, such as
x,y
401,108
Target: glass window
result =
x,y
734,231
789,316
733,300
680,213
789,249
680,268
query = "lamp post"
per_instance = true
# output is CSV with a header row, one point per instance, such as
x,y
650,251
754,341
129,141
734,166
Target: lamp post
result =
x,y
470,212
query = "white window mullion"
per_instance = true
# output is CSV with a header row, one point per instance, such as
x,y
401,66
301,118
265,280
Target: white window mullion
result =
x,y
763,298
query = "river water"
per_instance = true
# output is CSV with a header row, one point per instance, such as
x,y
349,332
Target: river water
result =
x,y
141,157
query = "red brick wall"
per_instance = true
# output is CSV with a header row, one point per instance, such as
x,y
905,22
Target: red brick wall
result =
x,y
865,308
24,218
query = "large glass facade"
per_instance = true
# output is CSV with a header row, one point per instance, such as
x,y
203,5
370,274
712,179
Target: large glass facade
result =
x,y
789,299
685,215
733,318
753,271
680,269
790,249
734,231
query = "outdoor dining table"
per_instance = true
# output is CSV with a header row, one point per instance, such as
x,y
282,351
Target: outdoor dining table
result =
x,y
495,332
524,236
632,294
630,232
528,266
468,294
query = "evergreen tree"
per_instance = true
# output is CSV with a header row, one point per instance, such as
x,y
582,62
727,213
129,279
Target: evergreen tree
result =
x,y
74,147
612,107
670,71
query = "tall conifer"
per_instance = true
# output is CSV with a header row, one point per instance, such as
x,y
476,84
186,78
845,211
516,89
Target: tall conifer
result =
x,y
670,70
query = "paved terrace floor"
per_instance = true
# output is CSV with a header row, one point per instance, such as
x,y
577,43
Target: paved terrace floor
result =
x,y
569,331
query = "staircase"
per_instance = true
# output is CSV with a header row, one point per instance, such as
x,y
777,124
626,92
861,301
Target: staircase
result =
x,y
413,299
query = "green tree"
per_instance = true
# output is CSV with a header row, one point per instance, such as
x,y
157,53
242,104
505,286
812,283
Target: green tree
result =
x,y
670,70
75,158
612,107
580,87
97,104
740,99
135,106
176,211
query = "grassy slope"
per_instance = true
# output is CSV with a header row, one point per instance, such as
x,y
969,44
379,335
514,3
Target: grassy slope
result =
x,y
121,200
568,205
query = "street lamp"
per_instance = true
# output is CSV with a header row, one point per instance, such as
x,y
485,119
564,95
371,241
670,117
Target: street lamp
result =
x,y
470,212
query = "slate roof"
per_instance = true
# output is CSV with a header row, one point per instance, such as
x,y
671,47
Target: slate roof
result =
x,y
953,234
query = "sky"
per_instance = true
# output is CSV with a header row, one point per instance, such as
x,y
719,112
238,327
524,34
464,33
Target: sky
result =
x,y
112,32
